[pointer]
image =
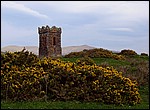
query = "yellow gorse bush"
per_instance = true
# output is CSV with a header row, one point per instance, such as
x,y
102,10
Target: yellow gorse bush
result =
x,y
59,80
96,53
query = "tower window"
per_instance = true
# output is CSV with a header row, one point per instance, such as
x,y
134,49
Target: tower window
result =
x,y
54,41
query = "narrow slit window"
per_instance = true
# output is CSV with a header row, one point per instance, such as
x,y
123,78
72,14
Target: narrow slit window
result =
x,y
54,41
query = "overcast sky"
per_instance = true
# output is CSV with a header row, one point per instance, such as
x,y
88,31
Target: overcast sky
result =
x,y
113,25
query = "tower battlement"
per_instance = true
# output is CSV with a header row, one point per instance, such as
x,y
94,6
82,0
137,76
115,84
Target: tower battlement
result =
x,y
49,41
45,29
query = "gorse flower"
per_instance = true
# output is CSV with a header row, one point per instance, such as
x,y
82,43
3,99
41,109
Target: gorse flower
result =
x,y
60,80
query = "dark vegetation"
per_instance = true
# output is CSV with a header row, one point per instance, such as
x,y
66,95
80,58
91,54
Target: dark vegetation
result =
x,y
95,53
82,78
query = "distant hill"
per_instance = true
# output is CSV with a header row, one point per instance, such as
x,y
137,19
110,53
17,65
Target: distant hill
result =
x,y
34,49
13,48
69,49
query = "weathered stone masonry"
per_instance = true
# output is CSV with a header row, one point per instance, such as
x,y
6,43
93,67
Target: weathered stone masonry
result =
x,y
49,41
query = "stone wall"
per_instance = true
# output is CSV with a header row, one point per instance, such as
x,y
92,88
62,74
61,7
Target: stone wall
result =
x,y
49,41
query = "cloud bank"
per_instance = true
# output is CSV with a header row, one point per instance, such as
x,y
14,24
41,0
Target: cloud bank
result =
x,y
22,8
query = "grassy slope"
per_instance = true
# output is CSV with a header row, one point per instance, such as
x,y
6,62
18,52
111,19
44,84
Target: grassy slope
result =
x,y
144,91
98,61
111,61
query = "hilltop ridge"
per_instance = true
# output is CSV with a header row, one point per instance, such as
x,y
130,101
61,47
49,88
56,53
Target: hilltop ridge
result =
x,y
34,49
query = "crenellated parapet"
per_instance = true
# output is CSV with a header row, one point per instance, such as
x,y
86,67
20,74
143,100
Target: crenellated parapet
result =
x,y
45,29
55,29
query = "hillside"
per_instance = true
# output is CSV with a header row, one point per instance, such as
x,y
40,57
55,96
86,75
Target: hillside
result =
x,y
34,49
13,48
69,49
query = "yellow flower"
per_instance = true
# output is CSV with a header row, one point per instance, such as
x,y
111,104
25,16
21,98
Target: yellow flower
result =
x,y
5,83
16,86
94,82
13,85
136,92
93,74
84,77
72,83
68,69
35,75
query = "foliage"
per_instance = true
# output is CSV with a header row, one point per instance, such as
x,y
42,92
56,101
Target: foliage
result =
x,y
96,53
54,79
128,52
144,54
87,60
19,58
137,70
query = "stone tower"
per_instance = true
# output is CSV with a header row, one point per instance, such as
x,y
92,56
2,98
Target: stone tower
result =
x,y
49,41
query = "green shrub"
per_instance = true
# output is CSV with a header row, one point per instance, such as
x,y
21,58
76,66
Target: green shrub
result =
x,y
128,52
137,70
59,80
87,60
144,54
96,53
